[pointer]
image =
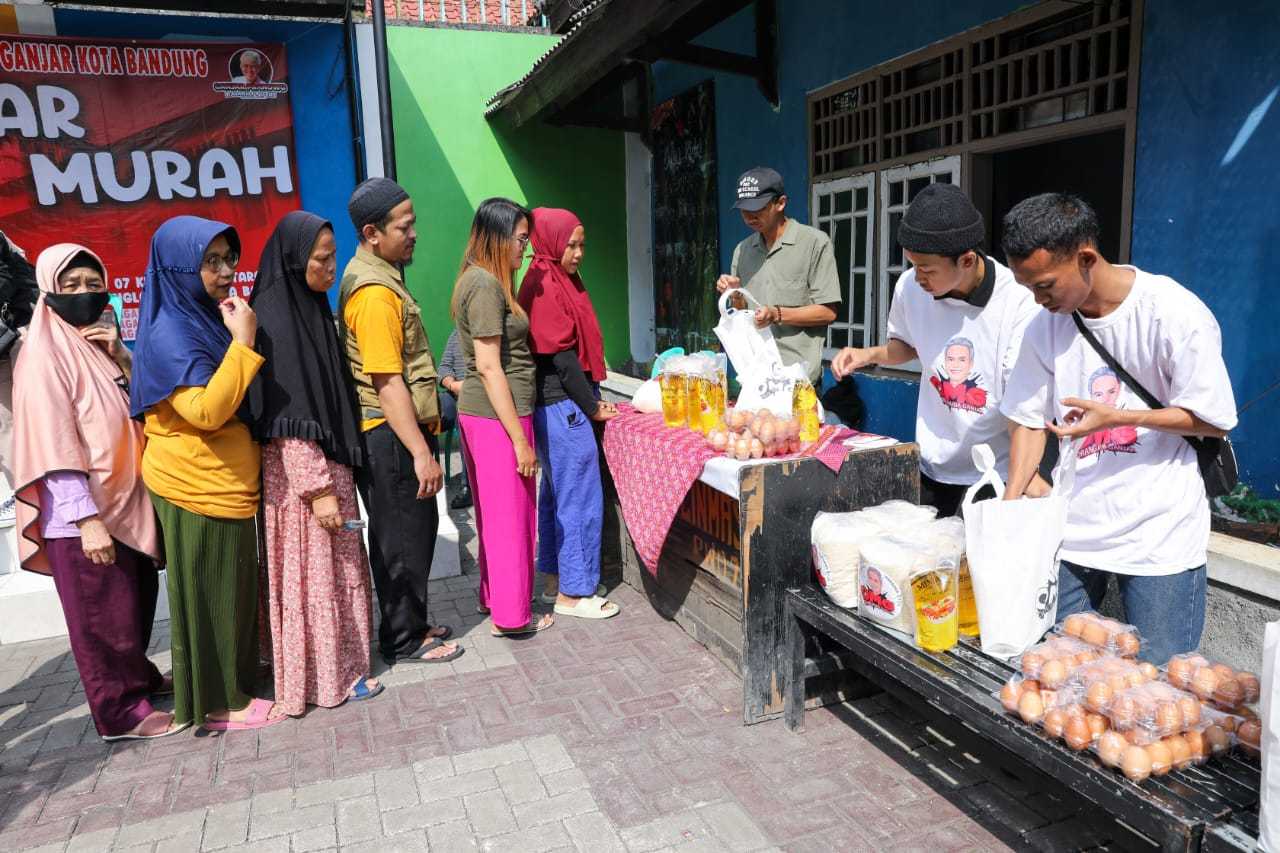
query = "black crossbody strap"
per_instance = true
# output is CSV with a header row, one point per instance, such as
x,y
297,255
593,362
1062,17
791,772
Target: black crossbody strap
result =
x,y
1147,396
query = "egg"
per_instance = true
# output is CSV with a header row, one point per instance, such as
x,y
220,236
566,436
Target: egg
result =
x,y
1229,693
1030,707
1247,713
719,440
742,449
768,432
1117,682
1229,722
793,446
1161,758
1111,747
1053,673
1180,750
1126,644
1204,682
1077,734
1009,696
1168,718
1217,740
1055,722
1190,709
757,448
1180,671
1223,671
1249,683
1250,734
1099,696
1149,671
1094,634
1197,746
738,419
1124,712
1073,625
1135,678
1097,724
1135,763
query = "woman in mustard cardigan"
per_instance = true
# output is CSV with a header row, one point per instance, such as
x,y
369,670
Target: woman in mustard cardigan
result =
x,y
193,363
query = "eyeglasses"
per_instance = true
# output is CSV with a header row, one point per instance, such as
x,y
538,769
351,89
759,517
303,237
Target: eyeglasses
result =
x,y
214,263
522,239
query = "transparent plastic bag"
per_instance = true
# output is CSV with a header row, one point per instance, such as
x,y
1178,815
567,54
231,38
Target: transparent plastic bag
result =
x,y
1228,689
1052,661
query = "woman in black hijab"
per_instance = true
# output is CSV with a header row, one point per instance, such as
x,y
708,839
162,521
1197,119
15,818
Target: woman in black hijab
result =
x,y
318,573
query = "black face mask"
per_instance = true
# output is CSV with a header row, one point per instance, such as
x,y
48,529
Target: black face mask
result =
x,y
79,309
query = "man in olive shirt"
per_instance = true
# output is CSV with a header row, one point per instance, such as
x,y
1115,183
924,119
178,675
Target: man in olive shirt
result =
x,y
788,267
380,326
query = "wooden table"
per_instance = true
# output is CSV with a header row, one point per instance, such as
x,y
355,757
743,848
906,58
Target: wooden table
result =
x,y
728,559
1213,805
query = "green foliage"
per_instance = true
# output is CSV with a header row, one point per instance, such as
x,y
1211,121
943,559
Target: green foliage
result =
x,y
1245,502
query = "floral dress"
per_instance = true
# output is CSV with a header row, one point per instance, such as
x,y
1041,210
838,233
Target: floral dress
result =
x,y
318,598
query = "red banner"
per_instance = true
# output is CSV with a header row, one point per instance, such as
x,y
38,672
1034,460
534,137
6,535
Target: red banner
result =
x,y
103,140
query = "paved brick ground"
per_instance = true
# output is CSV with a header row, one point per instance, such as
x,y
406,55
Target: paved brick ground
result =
x,y
615,735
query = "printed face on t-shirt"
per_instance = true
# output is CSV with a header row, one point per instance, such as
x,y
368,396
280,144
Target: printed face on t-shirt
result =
x,y
1105,389
959,361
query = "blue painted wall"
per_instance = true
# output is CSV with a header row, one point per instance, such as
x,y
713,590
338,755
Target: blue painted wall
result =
x,y
321,121
1207,194
1211,224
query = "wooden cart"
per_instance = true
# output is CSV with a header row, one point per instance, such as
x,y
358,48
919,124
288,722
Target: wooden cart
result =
x,y
729,559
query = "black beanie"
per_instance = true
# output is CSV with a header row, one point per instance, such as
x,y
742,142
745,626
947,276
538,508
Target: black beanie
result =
x,y
941,221
373,199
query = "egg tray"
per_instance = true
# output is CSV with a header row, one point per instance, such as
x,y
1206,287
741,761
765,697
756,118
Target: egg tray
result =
x,y
1095,684
1053,661
1226,688
1110,635
1138,753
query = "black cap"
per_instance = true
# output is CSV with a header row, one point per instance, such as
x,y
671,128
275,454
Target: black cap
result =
x,y
757,187
941,221
373,199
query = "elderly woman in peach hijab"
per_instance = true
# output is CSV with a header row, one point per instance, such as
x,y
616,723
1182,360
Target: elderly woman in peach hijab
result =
x,y
83,512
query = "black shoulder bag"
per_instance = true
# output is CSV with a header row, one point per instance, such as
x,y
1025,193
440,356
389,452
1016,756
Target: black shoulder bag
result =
x,y
1216,456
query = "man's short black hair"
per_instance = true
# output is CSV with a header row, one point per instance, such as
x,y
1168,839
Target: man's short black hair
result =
x,y
1059,223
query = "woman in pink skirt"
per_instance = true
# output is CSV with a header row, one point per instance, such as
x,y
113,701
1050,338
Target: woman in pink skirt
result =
x,y
495,411
318,598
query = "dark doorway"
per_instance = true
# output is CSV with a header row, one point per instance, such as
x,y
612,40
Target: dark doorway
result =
x,y
1091,167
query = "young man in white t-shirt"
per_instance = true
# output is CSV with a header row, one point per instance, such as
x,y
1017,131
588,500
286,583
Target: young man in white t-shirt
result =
x,y
962,315
1138,509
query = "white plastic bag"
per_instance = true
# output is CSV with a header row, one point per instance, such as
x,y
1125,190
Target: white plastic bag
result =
x,y
648,397
753,351
835,537
1269,711
1013,555
774,390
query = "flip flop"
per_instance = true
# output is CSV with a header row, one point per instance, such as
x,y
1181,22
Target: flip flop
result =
x,y
361,690
171,729
551,598
448,632
532,627
594,607
258,718
418,656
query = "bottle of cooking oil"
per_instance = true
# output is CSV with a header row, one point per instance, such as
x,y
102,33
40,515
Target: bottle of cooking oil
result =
x,y
675,395
933,593
968,604
804,407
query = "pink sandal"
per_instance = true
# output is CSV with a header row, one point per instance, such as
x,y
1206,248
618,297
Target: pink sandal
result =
x,y
257,718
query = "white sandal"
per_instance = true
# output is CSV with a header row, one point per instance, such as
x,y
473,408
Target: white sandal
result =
x,y
594,607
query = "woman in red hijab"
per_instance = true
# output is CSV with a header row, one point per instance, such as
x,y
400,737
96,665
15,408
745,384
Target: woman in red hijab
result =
x,y
564,335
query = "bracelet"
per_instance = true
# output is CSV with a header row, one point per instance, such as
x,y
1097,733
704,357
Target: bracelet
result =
x,y
777,313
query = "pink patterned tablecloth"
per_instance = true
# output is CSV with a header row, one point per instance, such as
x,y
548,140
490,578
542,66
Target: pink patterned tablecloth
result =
x,y
654,466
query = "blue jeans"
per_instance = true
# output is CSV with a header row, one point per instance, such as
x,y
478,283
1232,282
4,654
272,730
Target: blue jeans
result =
x,y
571,502
1168,611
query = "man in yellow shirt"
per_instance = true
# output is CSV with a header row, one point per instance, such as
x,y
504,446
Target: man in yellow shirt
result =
x,y
380,325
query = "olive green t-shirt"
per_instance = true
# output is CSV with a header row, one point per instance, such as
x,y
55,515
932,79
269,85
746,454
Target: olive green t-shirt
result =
x,y
483,313
799,270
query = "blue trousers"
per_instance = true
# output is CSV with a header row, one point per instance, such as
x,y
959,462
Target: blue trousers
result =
x,y
1168,610
571,503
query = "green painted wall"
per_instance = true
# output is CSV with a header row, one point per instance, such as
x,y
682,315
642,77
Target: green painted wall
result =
x,y
450,159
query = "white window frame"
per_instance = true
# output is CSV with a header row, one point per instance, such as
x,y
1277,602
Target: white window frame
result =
x,y
886,275
861,320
